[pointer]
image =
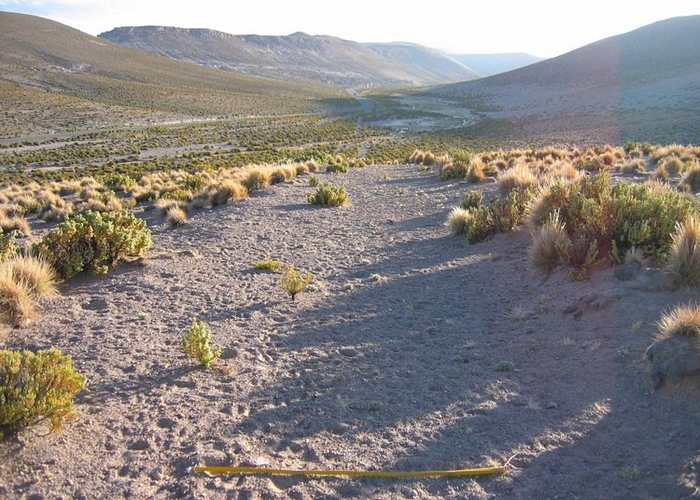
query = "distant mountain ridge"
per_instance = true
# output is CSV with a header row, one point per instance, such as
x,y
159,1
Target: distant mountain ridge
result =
x,y
299,56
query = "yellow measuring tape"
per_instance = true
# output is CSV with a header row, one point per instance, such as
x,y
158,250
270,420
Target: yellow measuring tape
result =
x,y
481,471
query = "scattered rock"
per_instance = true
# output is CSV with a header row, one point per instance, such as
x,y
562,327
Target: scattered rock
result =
x,y
139,445
349,352
672,358
505,366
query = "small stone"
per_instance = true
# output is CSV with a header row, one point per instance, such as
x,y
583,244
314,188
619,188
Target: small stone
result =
x,y
349,352
505,366
551,406
156,474
139,445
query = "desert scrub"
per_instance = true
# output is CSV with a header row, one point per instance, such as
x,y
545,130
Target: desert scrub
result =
x,y
314,181
293,282
612,218
684,257
328,195
8,246
268,265
197,344
472,199
36,387
94,240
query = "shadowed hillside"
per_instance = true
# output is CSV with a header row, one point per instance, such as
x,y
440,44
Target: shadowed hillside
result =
x,y
55,70
642,85
297,56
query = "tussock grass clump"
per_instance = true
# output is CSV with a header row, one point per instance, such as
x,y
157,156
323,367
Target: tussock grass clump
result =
x,y
176,216
17,305
16,223
293,282
328,195
196,343
34,273
314,181
519,177
684,257
36,387
458,219
256,179
227,190
691,179
682,320
550,245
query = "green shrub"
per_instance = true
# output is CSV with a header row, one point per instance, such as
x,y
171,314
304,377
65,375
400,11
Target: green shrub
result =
x,y
268,265
472,199
337,168
329,195
36,387
293,282
608,219
314,181
8,246
94,240
197,344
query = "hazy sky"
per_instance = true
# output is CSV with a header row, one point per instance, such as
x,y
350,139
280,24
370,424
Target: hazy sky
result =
x,y
541,27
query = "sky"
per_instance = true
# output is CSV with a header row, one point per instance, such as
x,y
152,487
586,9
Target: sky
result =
x,y
544,28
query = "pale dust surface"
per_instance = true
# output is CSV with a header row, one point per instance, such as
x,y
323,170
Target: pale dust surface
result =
x,y
413,351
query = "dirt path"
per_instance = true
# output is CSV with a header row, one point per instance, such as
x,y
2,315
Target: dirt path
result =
x,y
414,351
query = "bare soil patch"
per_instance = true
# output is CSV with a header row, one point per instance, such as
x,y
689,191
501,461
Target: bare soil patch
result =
x,y
414,351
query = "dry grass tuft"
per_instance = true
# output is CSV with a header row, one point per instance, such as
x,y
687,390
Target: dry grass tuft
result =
x,y
457,221
17,306
518,177
35,273
550,244
176,216
684,258
682,320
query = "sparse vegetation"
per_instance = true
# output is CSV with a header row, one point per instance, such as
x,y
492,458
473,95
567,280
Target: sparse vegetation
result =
x,y
293,282
269,265
197,344
329,195
36,387
94,240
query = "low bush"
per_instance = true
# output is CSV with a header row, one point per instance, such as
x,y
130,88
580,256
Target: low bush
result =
x,y
94,240
328,195
472,199
268,265
314,181
8,246
293,282
36,387
197,344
